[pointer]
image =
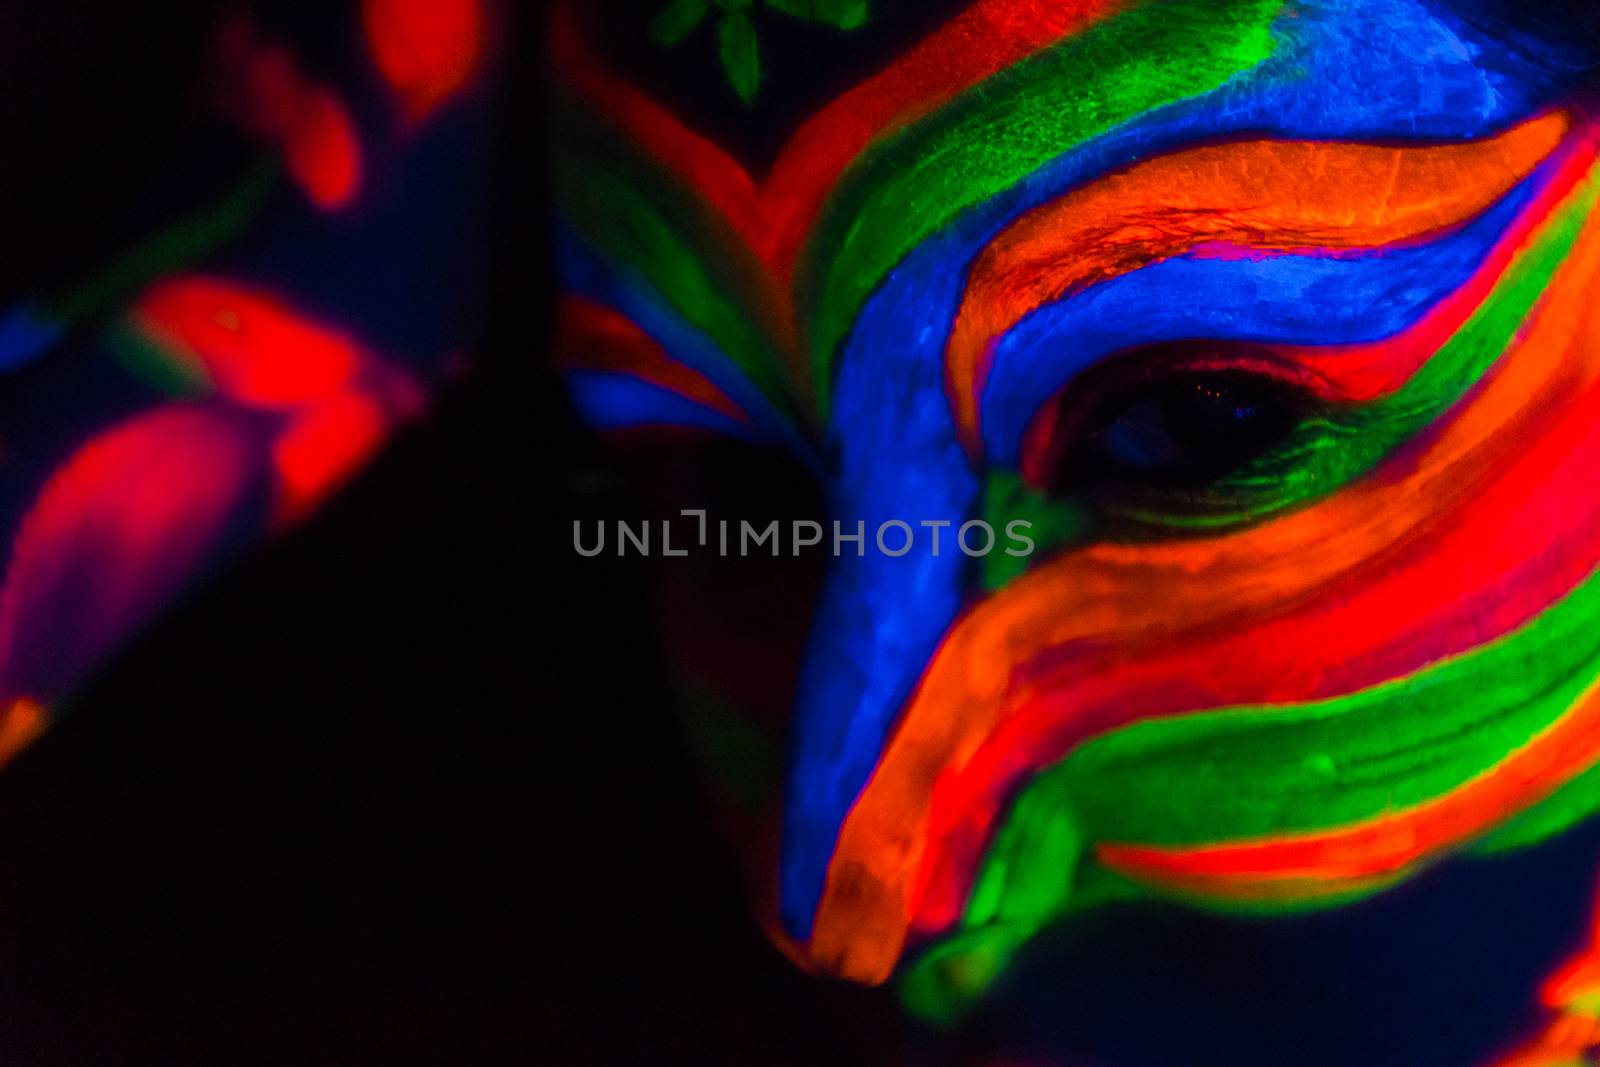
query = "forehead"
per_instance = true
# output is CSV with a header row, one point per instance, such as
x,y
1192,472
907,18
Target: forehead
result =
x,y
805,54
908,263
805,187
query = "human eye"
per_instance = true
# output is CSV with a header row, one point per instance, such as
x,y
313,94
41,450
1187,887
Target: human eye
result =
x,y
1187,434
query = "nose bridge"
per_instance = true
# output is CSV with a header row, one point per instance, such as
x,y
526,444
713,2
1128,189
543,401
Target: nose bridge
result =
x,y
877,626
880,617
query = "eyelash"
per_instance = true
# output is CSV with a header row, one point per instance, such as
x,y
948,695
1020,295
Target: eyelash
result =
x,y
1214,421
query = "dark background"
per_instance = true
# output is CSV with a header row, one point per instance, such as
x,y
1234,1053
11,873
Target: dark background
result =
x,y
398,788
401,787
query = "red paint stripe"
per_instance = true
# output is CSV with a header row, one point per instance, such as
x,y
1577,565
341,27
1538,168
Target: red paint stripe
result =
x,y
251,345
306,121
775,217
592,337
1266,195
1488,567
1502,551
322,448
984,40
340,401
117,529
1363,373
425,49
716,176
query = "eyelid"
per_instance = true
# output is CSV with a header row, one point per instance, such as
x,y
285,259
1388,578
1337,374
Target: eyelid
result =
x,y
1274,196
1059,420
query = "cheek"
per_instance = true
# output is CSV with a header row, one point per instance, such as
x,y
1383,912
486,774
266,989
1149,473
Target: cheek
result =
x,y
732,617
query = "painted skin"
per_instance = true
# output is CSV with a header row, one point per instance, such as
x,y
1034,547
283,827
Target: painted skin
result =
x,y
1276,659
1322,666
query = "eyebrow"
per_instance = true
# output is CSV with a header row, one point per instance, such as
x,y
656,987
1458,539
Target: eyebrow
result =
x,y
1276,196
999,720
1000,90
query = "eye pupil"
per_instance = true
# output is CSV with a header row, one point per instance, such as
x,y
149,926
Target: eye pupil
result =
x,y
1220,414
1144,437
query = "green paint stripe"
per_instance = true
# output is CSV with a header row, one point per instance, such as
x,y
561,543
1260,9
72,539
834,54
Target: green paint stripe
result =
x,y
916,181
1253,771
181,244
1560,811
1333,450
1250,772
659,232
1052,524
149,360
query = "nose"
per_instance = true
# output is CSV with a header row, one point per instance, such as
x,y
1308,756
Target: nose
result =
x,y
878,624
893,457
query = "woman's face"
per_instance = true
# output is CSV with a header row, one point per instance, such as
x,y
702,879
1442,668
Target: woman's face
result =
x,y
1201,400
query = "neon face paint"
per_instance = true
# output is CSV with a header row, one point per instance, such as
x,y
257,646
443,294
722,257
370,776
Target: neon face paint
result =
x,y
1053,261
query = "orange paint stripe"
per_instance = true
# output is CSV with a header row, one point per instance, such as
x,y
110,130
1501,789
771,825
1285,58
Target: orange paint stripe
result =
x,y
1578,979
1113,596
1365,372
1271,195
1564,1043
20,726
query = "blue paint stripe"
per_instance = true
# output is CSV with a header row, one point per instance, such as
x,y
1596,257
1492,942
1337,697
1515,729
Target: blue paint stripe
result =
x,y
615,401
1292,299
1358,72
